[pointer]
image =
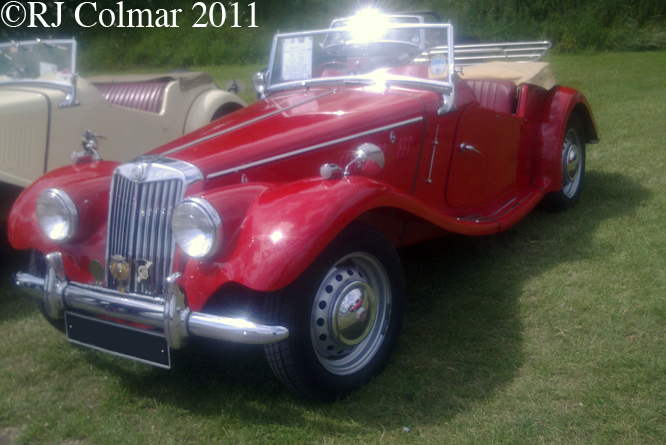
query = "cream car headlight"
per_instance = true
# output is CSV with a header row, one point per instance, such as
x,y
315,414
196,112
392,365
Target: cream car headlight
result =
x,y
197,227
57,214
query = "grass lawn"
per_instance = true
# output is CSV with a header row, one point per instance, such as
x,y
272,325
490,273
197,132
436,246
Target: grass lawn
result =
x,y
553,332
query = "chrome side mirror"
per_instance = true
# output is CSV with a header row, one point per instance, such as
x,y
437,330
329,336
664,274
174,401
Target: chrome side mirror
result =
x,y
368,158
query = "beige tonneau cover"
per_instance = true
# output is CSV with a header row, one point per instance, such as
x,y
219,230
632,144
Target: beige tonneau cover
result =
x,y
534,73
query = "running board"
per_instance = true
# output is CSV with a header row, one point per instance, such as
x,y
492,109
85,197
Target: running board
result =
x,y
508,212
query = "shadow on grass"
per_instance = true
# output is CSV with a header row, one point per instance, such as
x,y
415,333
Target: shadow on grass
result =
x,y
462,341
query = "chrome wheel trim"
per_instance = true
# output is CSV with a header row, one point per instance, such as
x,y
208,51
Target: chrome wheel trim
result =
x,y
571,164
345,333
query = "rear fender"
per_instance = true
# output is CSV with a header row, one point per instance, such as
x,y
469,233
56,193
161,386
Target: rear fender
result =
x,y
208,105
558,106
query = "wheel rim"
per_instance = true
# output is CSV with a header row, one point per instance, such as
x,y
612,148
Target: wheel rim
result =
x,y
350,313
571,163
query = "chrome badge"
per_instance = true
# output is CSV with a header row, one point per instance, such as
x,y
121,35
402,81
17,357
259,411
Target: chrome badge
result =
x,y
144,273
120,272
140,172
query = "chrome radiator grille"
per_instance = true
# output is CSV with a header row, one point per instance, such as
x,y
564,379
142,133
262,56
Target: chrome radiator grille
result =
x,y
140,245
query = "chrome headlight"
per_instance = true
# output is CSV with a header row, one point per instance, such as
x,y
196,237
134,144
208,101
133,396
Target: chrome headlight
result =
x,y
57,214
197,227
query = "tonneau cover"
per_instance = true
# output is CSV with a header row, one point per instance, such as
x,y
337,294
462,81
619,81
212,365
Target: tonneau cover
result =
x,y
535,73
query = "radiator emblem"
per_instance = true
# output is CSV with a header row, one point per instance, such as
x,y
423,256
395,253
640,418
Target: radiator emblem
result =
x,y
144,273
140,172
119,269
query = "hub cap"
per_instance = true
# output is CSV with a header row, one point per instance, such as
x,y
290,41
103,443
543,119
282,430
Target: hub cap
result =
x,y
350,313
354,313
571,164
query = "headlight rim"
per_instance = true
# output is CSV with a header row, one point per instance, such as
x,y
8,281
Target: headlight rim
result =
x,y
210,212
67,203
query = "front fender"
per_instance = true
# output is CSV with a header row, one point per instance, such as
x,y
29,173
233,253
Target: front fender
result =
x,y
87,185
286,227
558,106
207,105
283,230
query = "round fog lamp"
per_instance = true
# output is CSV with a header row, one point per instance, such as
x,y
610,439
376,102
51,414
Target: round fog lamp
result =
x,y
57,214
197,227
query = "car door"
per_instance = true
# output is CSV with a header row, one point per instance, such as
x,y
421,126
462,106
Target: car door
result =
x,y
486,158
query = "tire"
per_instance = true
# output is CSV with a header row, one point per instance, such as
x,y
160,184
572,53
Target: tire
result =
x,y
573,166
37,267
338,341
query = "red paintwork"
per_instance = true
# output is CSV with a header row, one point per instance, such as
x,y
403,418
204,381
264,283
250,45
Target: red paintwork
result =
x,y
408,201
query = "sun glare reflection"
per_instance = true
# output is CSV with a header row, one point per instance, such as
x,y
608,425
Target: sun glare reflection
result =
x,y
276,236
368,25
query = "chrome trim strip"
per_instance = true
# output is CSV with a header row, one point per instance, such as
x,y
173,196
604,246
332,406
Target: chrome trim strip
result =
x,y
241,125
311,148
369,79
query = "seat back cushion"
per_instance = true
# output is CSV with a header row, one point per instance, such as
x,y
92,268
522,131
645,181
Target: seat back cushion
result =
x,y
497,95
145,96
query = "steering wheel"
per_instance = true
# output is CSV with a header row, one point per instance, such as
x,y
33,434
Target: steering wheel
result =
x,y
333,64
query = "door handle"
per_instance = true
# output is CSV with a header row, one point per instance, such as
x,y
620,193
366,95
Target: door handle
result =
x,y
464,148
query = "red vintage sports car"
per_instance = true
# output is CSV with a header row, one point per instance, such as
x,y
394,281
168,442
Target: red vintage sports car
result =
x,y
278,224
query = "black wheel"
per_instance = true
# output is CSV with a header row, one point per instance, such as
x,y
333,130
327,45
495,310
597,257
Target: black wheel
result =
x,y
573,166
37,267
344,316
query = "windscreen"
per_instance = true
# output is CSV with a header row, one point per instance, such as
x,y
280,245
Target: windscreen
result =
x,y
349,52
45,60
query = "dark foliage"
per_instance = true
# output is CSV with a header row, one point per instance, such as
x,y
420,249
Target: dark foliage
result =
x,y
571,25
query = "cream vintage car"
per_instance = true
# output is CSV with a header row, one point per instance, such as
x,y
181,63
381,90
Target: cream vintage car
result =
x,y
45,107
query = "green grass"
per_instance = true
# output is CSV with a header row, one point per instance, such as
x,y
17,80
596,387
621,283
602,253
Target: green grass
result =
x,y
553,332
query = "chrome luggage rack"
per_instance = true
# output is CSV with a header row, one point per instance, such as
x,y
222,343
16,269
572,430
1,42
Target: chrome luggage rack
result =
x,y
488,52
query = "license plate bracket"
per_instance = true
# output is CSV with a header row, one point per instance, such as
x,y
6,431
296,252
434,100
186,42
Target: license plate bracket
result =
x,y
123,341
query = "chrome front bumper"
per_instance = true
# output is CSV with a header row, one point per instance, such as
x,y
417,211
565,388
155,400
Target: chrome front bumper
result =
x,y
168,313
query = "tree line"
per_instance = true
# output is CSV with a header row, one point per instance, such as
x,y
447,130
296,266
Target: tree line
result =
x,y
572,26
